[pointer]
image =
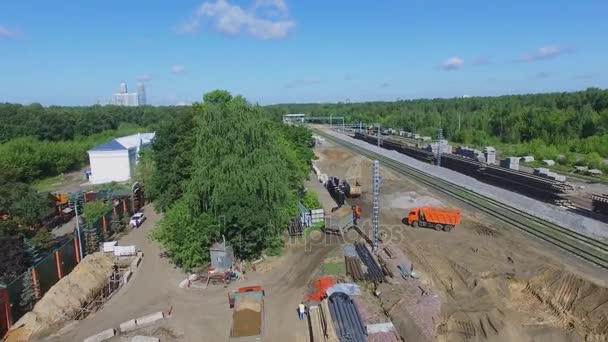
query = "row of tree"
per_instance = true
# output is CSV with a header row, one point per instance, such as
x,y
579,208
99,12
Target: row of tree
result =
x,y
226,169
68,123
26,159
571,123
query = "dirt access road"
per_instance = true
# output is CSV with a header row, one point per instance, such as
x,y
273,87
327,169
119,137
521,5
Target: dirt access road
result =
x,y
483,270
201,314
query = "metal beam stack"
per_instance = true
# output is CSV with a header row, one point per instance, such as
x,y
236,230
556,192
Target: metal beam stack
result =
x,y
600,203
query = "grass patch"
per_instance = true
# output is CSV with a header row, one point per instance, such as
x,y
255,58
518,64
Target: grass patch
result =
x,y
49,184
334,268
316,227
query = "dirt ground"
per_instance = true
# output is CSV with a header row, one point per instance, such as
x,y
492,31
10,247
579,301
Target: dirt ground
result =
x,y
203,314
495,283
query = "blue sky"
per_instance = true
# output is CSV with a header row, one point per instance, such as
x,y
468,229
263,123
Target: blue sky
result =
x,y
272,51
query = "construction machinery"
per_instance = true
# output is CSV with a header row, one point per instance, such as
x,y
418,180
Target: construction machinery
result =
x,y
248,314
355,190
437,218
341,219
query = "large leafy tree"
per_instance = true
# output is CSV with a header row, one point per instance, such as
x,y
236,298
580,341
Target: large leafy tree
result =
x,y
244,181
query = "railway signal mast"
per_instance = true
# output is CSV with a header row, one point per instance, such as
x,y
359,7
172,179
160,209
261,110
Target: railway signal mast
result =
x,y
376,204
439,139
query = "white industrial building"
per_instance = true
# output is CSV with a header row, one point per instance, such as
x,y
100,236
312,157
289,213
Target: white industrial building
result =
x,y
115,161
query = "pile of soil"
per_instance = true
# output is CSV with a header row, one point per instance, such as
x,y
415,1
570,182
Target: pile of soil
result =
x,y
64,300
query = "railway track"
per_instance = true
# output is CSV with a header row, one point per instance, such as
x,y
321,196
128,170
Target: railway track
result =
x,y
591,250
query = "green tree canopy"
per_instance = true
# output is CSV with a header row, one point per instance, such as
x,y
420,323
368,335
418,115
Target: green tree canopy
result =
x,y
242,179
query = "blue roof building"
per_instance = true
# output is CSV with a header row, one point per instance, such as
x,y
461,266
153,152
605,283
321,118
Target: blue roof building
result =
x,y
115,160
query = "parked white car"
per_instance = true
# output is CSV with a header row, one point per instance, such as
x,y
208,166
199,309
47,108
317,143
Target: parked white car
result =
x,y
137,219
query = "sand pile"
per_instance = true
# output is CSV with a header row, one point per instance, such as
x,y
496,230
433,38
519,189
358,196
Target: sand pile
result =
x,y
577,303
69,295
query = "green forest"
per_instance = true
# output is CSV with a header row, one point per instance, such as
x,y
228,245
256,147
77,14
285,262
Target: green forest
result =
x,y
38,142
571,128
226,169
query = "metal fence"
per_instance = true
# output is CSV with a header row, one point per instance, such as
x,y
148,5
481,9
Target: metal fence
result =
x,y
56,265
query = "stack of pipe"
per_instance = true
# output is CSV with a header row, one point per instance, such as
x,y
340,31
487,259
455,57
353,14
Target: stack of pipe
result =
x,y
374,272
600,203
348,322
353,268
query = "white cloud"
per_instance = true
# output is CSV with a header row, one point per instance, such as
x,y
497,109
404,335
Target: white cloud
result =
x,y
543,53
144,77
178,69
267,19
453,63
5,33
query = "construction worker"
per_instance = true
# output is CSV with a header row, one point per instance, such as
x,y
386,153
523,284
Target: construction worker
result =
x,y
301,310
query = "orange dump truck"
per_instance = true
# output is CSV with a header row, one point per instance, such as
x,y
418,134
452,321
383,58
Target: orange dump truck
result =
x,y
438,218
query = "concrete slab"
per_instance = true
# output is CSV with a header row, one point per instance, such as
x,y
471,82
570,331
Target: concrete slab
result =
x,y
126,277
380,327
102,336
145,339
128,326
135,263
150,319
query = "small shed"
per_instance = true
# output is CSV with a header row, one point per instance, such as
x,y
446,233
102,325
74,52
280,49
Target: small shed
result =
x,y
222,257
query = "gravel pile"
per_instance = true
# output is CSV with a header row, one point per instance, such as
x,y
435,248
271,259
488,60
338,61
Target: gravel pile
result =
x,y
578,223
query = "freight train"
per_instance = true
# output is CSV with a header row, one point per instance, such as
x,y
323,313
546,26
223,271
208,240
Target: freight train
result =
x,y
523,182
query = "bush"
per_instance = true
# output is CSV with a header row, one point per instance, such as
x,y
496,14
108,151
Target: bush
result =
x,y
93,211
311,200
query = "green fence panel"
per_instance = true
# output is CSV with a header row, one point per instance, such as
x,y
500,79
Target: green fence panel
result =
x,y
47,273
14,295
108,217
68,257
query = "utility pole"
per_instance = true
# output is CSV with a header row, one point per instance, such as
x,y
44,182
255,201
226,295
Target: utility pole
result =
x,y
330,121
378,135
439,139
342,124
76,200
360,129
376,205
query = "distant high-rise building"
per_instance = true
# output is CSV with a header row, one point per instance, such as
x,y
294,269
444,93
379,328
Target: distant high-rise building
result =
x,y
124,98
141,94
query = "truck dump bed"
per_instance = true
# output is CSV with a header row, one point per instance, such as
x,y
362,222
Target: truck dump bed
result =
x,y
339,221
247,317
441,215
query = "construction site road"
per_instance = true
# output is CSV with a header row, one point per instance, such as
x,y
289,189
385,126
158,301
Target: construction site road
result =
x,y
201,314
588,249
